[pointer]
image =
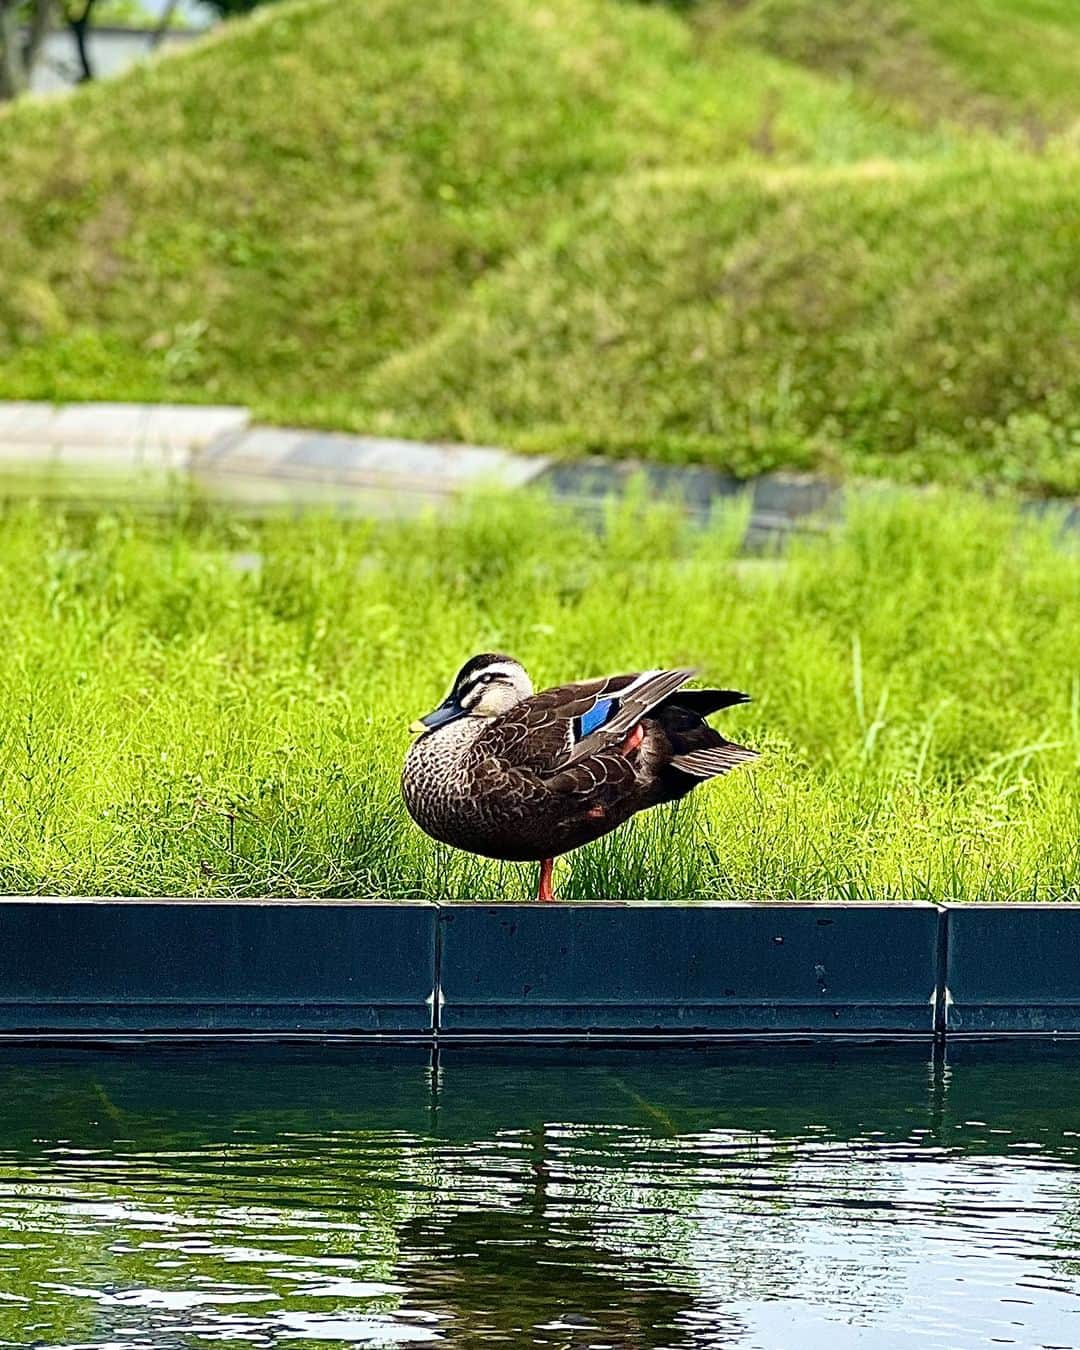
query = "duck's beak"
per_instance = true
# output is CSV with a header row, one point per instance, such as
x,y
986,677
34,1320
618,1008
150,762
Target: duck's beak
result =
x,y
447,711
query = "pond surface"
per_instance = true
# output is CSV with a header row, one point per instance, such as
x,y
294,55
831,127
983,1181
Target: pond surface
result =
x,y
742,1197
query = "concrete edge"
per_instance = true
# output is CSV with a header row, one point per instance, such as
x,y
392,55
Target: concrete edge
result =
x,y
103,448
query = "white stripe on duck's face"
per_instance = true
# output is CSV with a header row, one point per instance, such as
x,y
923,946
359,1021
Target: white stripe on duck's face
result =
x,y
491,689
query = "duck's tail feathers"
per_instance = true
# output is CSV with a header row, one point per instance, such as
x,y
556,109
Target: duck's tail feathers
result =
x,y
706,701
713,761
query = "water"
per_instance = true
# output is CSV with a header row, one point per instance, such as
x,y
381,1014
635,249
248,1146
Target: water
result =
x,y
740,1197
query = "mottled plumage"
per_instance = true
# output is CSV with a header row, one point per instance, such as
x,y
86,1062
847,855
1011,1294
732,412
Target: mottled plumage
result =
x,y
504,772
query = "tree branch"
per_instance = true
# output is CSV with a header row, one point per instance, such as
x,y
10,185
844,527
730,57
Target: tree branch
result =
x,y
163,27
80,29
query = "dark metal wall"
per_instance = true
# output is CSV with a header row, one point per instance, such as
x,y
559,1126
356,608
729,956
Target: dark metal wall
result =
x,y
464,972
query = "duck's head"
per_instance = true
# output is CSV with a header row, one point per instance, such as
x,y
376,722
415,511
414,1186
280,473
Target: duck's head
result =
x,y
486,686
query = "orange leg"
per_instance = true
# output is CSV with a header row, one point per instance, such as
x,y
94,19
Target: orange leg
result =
x,y
545,893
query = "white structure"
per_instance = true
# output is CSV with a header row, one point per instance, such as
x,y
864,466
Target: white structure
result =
x,y
111,51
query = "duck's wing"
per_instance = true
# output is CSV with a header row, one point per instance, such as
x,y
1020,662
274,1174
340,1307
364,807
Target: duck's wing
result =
x,y
559,729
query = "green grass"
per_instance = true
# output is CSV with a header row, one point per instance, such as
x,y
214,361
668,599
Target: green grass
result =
x,y
725,232
862,319
1006,65
316,186
171,723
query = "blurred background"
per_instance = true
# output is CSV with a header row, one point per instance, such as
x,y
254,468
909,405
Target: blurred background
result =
x,y
750,233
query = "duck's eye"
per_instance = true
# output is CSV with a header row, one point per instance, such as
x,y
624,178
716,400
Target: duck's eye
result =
x,y
478,683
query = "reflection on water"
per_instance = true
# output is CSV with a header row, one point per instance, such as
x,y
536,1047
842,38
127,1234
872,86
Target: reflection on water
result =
x,y
737,1197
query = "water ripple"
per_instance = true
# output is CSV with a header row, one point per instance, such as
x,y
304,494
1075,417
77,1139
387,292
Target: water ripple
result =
x,y
564,1205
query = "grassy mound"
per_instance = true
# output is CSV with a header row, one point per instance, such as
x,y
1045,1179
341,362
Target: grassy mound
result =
x,y
316,208
873,318
173,723
262,218
1005,65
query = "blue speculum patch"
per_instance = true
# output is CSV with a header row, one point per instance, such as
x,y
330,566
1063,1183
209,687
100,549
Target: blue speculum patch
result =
x,y
596,716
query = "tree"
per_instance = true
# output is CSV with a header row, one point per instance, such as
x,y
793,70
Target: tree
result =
x,y
24,26
77,17
164,23
226,8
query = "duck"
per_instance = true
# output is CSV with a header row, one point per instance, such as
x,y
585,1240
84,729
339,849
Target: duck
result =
x,y
499,770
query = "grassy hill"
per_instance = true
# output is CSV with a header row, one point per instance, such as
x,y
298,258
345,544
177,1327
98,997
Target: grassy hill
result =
x,y
875,318
1005,65
725,232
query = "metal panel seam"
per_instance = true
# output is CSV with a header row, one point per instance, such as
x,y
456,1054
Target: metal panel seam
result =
x,y
437,990
941,990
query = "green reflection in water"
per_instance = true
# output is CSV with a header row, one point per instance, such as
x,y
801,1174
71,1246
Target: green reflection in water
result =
x,y
749,1197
